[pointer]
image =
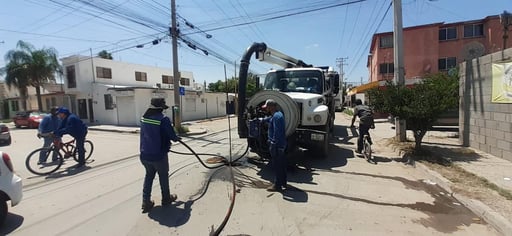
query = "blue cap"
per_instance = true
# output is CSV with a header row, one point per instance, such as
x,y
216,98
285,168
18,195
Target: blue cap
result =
x,y
63,110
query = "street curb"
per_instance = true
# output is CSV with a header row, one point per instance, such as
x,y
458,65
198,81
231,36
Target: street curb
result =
x,y
202,131
116,131
492,217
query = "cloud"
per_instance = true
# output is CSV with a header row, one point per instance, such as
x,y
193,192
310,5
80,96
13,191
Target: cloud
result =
x,y
315,45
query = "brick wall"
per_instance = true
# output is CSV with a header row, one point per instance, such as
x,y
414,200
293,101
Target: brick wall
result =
x,y
484,125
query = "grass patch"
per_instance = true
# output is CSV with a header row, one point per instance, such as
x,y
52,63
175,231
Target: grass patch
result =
x,y
349,112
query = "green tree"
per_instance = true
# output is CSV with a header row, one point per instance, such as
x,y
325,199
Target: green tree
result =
x,y
27,66
105,55
419,105
232,85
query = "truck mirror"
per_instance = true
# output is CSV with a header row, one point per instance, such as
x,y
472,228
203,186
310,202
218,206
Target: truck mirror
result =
x,y
336,83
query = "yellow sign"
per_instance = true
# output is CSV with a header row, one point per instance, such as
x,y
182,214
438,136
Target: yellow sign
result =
x,y
502,83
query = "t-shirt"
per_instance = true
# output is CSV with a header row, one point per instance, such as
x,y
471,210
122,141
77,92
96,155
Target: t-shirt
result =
x,y
364,113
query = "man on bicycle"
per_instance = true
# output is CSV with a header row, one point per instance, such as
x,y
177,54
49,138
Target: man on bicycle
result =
x,y
47,126
366,123
71,124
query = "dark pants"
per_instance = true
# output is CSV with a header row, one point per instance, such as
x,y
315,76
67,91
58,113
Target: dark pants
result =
x,y
80,149
152,167
43,154
363,130
279,164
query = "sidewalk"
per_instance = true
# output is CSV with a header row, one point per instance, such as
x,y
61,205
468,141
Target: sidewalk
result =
x,y
445,143
495,170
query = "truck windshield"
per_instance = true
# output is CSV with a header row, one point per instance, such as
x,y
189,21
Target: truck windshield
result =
x,y
295,81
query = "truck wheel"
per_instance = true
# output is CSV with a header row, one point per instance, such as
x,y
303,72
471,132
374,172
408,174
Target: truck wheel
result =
x,y
324,148
285,104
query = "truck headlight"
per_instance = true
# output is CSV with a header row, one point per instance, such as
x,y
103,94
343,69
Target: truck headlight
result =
x,y
317,118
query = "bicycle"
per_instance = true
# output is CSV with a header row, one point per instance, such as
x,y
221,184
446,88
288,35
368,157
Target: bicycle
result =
x,y
55,156
367,148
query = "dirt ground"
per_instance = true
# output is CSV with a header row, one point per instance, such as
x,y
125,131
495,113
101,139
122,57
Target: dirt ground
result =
x,y
444,161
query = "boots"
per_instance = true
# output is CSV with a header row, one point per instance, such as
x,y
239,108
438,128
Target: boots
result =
x,y
147,205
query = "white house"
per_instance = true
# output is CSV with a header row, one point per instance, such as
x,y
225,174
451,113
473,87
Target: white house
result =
x,y
105,91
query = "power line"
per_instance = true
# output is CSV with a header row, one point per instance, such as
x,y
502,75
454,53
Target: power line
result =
x,y
368,44
283,16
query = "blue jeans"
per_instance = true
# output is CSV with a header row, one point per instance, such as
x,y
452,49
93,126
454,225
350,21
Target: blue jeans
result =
x,y
42,155
152,167
279,164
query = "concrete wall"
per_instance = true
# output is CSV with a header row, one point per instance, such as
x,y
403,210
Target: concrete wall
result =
x,y
484,125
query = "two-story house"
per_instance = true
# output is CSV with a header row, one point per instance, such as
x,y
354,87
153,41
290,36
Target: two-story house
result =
x,y
433,48
105,91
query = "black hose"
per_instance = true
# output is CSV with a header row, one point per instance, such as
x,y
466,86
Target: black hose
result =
x,y
225,162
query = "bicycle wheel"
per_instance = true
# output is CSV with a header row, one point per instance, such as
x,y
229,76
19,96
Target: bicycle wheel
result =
x,y
33,165
89,148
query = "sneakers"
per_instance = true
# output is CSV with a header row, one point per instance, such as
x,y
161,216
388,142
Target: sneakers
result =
x,y
166,202
274,188
147,206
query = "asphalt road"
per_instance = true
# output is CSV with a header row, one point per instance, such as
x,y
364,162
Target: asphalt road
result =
x,y
338,195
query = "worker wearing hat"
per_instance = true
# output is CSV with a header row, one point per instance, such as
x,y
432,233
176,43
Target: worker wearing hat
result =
x,y
156,134
277,145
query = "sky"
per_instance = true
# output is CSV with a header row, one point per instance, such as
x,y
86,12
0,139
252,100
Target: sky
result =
x,y
319,32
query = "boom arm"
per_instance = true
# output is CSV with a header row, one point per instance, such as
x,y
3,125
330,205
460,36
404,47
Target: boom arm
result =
x,y
275,57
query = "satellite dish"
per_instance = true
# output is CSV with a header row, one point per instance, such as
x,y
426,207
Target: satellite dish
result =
x,y
472,50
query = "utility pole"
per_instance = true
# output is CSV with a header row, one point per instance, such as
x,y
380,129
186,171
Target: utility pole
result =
x,y
340,62
176,73
398,55
398,62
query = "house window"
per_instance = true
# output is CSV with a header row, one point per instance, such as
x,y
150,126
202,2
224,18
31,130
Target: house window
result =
x,y
14,105
102,72
474,30
140,76
386,41
447,63
386,68
109,102
71,76
447,33
167,79
184,81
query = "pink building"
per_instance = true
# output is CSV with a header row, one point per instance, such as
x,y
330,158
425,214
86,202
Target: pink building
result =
x,y
435,47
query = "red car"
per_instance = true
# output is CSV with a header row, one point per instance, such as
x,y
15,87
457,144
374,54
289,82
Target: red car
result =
x,y
30,119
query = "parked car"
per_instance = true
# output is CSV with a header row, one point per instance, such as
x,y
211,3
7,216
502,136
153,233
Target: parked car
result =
x,y
11,188
5,135
30,119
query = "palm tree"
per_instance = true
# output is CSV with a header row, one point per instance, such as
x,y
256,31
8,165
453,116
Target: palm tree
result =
x,y
27,66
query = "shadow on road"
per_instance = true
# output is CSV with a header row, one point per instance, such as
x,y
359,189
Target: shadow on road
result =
x,y
172,215
12,222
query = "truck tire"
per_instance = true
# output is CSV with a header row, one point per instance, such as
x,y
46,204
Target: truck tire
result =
x,y
285,105
324,148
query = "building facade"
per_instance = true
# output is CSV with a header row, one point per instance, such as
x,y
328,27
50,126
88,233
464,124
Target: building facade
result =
x,y
436,47
105,91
